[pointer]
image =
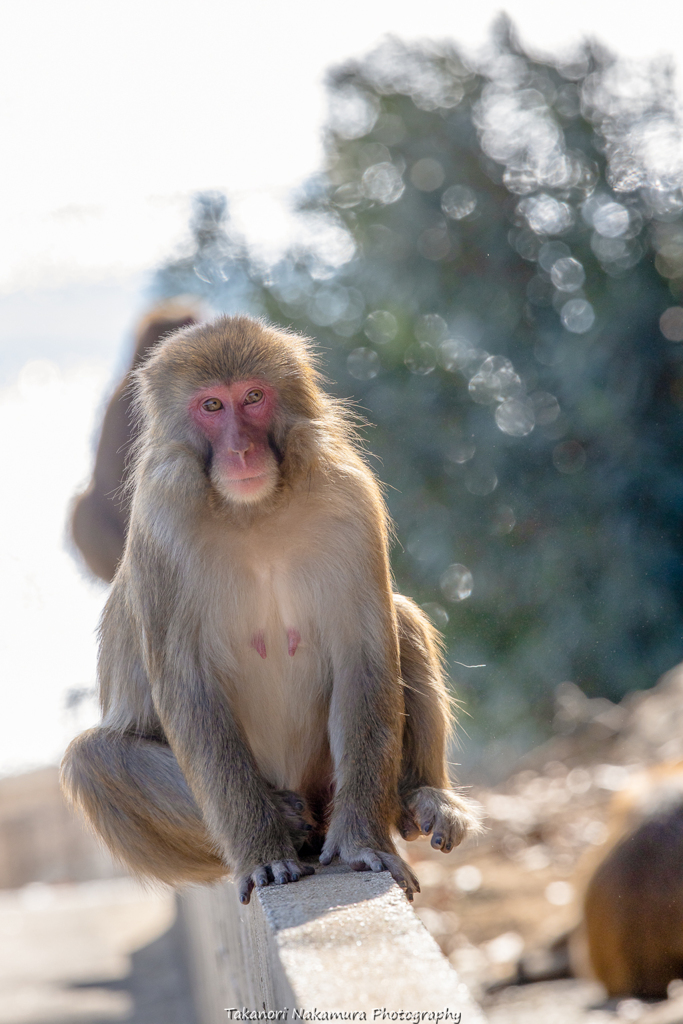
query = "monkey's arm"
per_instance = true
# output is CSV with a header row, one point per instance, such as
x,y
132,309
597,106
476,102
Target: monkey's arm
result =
x,y
366,713
429,803
365,741
192,706
236,804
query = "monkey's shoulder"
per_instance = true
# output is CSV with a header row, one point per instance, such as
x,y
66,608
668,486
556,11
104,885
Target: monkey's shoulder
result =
x,y
351,487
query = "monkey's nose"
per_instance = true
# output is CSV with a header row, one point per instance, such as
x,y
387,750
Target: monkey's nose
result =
x,y
240,450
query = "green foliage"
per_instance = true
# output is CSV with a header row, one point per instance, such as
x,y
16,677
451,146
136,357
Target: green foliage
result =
x,y
494,247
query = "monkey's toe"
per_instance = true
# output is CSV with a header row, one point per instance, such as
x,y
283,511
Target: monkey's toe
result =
x,y
278,872
366,859
444,814
401,874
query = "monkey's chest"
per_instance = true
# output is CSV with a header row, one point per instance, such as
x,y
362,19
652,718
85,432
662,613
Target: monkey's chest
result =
x,y
280,693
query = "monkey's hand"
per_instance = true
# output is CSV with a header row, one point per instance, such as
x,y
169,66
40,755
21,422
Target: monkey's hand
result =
x,y
297,814
445,814
278,871
366,858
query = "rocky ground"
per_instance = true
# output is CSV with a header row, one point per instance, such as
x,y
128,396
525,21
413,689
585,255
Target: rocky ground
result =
x,y
518,889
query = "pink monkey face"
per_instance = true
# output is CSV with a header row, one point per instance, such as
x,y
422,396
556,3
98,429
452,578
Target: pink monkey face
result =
x,y
236,418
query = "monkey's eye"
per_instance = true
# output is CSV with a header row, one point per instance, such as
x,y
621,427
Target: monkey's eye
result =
x,y
212,405
253,396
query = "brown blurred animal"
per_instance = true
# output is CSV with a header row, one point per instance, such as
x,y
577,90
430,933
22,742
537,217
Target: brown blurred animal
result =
x,y
99,518
260,682
631,934
633,906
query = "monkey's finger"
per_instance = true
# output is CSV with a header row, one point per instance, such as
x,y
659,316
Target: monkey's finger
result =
x,y
450,836
244,888
449,830
366,860
292,798
260,877
327,856
401,874
427,823
437,840
300,870
281,874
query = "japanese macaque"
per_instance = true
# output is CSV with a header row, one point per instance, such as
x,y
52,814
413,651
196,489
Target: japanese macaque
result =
x,y
263,690
99,518
633,906
631,934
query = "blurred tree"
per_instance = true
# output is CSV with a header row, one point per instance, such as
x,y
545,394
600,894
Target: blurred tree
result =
x,y
495,274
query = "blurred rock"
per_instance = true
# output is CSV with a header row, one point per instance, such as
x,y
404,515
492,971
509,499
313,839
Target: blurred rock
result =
x,y
41,838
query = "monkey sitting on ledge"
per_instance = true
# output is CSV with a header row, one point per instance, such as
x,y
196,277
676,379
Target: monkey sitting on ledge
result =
x,y
260,683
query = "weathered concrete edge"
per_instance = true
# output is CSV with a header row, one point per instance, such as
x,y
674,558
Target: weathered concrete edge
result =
x,y
338,941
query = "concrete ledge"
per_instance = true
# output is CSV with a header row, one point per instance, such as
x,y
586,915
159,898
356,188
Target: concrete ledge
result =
x,y
338,941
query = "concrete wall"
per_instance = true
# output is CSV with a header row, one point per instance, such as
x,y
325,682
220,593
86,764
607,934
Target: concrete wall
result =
x,y
337,941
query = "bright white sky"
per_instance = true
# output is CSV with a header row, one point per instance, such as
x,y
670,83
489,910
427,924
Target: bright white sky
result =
x,y
113,112
111,115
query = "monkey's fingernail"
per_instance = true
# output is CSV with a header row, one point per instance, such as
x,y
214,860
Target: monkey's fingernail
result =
x,y
307,827
299,806
295,877
449,847
244,899
437,840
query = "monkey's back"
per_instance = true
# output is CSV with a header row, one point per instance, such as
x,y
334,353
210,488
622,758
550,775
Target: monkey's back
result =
x,y
634,901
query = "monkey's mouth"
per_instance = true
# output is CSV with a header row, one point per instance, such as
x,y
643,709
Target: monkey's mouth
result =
x,y
248,486
237,481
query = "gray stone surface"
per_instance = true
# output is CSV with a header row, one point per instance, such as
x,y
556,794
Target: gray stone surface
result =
x,y
337,941
92,952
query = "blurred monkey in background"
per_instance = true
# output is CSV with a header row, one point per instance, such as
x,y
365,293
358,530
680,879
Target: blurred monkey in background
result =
x,y
630,937
633,906
99,517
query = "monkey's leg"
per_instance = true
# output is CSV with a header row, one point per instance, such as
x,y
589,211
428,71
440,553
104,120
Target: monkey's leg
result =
x,y
365,729
428,802
237,804
134,794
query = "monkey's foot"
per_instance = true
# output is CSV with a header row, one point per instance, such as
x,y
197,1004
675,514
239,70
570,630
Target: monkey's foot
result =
x,y
297,814
364,858
278,871
441,812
